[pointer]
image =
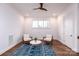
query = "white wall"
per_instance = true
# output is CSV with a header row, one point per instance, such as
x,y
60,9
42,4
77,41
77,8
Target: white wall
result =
x,y
60,28
41,32
77,28
67,27
11,24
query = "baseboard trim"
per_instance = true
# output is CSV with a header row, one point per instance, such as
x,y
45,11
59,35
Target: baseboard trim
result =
x,y
10,47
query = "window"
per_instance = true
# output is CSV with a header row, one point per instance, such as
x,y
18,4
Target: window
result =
x,y
40,24
35,24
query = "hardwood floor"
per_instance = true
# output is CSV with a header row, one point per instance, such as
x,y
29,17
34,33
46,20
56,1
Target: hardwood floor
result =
x,y
62,50
59,48
12,49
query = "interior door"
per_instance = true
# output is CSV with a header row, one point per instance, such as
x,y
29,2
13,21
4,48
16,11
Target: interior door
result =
x,y
68,31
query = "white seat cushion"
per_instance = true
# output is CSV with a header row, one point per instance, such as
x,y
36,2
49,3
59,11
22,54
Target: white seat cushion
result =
x,y
47,39
27,39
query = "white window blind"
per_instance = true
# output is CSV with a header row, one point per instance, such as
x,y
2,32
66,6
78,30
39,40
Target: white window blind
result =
x,y
40,24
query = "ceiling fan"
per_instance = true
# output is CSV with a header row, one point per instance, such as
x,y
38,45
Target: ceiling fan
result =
x,y
41,7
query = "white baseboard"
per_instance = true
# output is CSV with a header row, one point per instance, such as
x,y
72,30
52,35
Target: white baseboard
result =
x,y
3,51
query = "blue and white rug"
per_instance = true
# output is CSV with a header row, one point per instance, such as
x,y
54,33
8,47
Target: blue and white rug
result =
x,y
33,50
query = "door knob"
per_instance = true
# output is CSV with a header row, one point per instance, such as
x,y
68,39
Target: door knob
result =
x,y
77,37
71,35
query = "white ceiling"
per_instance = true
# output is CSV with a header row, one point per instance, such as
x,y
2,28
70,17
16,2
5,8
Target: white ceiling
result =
x,y
26,9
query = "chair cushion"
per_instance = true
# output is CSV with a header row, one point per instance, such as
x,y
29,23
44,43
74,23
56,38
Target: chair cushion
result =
x,y
27,39
47,39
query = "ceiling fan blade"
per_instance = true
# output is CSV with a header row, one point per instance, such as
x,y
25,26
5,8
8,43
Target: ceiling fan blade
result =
x,y
41,7
36,8
44,9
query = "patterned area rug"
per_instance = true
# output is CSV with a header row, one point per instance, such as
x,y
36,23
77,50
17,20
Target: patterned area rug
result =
x,y
33,50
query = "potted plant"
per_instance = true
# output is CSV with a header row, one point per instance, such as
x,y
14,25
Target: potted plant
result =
x,y
35,39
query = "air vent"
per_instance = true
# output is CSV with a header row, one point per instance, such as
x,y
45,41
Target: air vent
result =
x,y
10,39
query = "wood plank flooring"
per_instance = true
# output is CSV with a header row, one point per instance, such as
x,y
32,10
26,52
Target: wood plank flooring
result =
x,y
62,50
59,48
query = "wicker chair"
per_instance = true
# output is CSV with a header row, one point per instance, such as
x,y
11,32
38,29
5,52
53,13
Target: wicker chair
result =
x,y
48,39
26,39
